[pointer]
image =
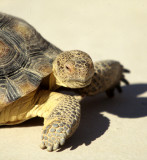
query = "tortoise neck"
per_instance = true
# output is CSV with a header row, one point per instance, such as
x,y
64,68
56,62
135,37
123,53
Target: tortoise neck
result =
x,y
53,82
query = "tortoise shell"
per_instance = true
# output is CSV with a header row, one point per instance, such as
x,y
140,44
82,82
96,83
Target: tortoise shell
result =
x,y
25,58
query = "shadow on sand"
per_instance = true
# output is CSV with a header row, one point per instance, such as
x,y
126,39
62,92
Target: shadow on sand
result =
x,y
93,124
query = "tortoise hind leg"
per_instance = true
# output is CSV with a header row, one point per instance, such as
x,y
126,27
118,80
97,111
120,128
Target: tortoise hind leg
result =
x,y
61,122
107,78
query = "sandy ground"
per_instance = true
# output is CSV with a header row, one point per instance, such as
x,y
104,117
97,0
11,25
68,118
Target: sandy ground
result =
x,y
106,29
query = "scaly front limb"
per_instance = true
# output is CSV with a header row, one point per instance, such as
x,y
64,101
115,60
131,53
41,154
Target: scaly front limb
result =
x,y
61,122
61,115
107,77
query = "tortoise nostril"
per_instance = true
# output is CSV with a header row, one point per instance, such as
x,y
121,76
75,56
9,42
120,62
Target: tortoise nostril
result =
x,y
69,67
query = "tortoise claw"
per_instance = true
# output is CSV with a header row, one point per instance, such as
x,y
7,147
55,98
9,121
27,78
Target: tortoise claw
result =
x,y
42,145
126,70
125,81
110,92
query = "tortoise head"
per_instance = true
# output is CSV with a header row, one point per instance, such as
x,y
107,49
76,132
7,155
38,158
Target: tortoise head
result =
x,y
73,69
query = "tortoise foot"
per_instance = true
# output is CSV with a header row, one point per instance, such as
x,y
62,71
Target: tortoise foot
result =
x,y
54,135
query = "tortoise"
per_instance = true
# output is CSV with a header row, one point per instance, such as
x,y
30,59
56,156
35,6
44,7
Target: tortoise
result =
x,y
31,72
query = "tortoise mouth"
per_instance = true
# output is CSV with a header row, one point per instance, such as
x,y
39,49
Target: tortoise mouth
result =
x,y
74,83
82,81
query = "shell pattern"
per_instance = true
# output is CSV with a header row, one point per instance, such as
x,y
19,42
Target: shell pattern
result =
x,y
25,58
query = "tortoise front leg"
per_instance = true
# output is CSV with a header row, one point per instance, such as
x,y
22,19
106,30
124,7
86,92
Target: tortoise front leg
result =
x,y
61,122
107,77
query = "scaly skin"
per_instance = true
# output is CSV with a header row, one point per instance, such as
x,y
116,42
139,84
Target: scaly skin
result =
x,y
108,75
61,122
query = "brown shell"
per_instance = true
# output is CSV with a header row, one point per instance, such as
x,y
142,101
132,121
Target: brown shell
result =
x,y
25,58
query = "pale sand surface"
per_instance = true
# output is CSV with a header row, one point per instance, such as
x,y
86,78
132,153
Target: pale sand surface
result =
x,y
106,29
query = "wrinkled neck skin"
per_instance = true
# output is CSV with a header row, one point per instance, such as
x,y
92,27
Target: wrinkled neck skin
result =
x,y
53,83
